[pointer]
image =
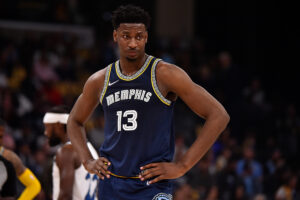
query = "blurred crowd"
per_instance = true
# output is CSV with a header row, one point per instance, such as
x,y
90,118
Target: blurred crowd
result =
x,y
254,158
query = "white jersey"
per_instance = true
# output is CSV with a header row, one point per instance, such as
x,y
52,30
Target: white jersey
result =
x,y
85,184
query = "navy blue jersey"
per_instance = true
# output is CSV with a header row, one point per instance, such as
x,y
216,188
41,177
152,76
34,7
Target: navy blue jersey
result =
x,y
138,120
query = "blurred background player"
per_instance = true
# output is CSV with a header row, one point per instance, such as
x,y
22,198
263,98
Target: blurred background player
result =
x,y
25,175
70,179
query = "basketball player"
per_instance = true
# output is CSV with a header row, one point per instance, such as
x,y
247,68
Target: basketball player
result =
x,y
137,94
70,179
25,175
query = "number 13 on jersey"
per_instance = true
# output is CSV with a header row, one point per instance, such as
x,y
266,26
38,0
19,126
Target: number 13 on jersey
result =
x,y
131,116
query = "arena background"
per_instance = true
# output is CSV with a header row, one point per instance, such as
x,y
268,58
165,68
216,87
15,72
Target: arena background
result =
x,y
244,53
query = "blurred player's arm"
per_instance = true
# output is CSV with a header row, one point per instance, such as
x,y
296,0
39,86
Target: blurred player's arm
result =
x,y
67,163
81,112
25,175
172,79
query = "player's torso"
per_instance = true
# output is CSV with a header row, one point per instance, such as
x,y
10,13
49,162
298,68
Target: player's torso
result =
x,y
138,119
85,184
8,178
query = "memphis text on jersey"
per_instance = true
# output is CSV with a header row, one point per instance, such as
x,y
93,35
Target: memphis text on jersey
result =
x,y
128,94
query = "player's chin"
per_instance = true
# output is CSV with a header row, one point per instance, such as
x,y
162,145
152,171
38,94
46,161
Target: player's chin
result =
x,y
132,57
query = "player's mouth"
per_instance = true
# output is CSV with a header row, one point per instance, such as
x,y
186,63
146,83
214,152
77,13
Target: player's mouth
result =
x,y
132,52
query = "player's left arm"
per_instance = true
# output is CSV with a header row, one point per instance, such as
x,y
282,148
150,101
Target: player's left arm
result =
x,y
67,162
173,79
25,175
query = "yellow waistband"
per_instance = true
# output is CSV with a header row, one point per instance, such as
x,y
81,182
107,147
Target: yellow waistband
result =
x,y
118,176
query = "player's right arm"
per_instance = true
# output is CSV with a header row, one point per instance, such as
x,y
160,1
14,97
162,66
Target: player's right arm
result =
x,y
81,111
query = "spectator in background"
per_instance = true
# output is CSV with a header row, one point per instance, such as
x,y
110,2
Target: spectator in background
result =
x,y
239,193
43,69
288,190
251,172
200,177
186,192
228,181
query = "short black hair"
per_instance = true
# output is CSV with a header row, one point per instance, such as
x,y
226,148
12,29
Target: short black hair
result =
x,y
130,14
59,109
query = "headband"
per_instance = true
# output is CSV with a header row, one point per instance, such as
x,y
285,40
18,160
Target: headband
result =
x,y
51,118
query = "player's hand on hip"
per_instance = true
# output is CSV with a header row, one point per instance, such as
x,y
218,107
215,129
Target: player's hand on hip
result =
x,y
161,171
98,166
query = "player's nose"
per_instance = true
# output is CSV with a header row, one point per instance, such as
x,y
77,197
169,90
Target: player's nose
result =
x,y
132,44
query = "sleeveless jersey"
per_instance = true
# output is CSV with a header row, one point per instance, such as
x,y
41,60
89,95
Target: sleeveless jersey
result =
x,y
138,120
85,184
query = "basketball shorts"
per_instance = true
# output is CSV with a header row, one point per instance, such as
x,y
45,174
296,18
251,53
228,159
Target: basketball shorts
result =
x,y
134,189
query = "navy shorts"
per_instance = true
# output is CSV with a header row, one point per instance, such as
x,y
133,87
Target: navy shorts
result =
x,y
134,189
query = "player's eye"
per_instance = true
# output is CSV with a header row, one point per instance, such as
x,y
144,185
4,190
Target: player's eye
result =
x,y
125,36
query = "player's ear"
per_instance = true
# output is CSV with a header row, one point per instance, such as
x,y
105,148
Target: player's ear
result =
x,y
115,35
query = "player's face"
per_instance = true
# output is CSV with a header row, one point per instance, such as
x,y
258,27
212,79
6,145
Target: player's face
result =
x,y
50,133
131,39
1,134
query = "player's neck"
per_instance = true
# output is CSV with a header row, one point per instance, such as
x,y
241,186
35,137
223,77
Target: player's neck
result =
x,y
129,67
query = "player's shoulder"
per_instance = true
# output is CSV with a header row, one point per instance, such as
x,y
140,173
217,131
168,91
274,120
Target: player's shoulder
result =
x,y
10,156
167,70
67,154
66,150
15,160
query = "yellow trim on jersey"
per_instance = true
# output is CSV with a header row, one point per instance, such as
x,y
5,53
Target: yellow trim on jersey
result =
x,y
118,176
31,183
105,84
168,104
135,77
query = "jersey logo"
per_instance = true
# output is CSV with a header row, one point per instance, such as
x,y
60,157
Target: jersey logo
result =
x,y
163,196
110,84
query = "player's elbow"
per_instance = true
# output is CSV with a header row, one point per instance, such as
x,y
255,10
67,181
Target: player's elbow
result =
x,y
31,183
224,118
72,124
220,116
38,187
72,121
